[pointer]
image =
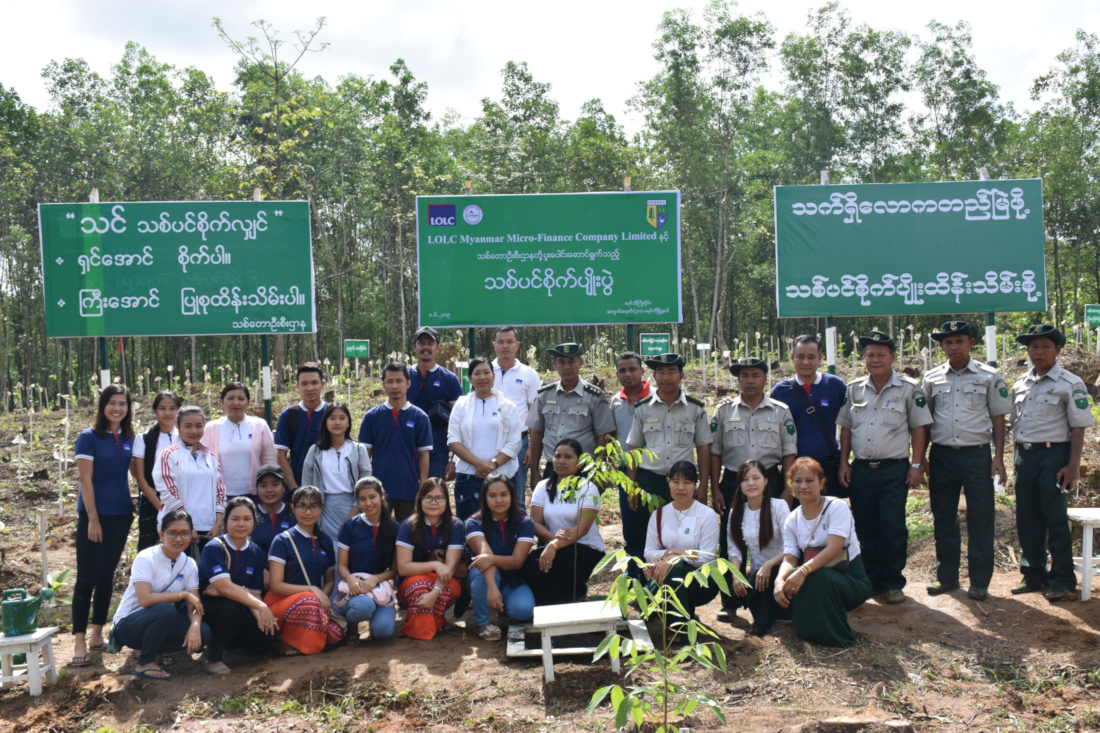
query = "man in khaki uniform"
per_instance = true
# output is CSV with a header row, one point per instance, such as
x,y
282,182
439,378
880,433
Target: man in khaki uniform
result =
x,y
674,426
568,408
1051,412
968,401
884,414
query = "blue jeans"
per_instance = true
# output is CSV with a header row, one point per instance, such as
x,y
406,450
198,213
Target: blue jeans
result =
x,y
520,479
519,602
363,608
467,495
158,629
437,463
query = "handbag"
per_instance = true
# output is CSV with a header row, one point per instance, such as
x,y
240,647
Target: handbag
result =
x,y
343,622
840,562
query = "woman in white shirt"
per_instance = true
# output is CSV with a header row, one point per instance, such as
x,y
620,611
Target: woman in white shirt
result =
x,y
241,442
334,465
755,541
147,449
682,537
822,576
485,435
188,477
161,612
565,523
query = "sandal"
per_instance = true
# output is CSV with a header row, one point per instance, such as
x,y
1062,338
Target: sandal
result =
x,y
289,651
217,668
490,632
82,661
152,674
98,647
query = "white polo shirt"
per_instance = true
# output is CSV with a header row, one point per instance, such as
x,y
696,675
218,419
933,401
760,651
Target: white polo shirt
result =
x,y
520,384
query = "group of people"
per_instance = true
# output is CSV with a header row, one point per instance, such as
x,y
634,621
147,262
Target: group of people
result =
x,y
251,539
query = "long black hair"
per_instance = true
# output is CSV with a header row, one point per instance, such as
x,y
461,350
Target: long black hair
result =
x,y
553,479
324,437
309,492
486,514
102,424
418,518
385,545
737,514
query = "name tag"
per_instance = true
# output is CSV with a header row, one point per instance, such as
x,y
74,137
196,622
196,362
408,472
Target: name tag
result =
x,y
735,419
551,402
653,419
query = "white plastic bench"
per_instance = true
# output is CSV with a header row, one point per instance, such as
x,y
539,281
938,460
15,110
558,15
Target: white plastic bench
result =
x,y
29,644
573,618
1089,519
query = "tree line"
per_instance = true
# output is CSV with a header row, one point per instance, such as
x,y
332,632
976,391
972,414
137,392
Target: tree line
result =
x,y
732,111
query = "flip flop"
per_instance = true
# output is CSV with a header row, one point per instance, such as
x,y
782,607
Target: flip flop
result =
x,y
98,647
490,632
84,661
145,673
218,668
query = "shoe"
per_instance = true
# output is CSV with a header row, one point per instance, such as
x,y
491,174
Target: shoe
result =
x,y
1055,596
895,596
977,593
1025,587
725,616
462,605
938,587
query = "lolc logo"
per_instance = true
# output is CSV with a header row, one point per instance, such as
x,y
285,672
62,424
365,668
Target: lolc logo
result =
x,y
441,215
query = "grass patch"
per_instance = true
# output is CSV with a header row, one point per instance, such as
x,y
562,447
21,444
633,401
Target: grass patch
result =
x,y
918,518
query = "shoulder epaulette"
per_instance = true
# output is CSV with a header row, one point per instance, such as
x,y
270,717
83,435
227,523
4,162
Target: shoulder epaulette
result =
x,y
593,389
780,403
910,380
859,380
549,386
1070,376
694,400
986,368
649,400
726,400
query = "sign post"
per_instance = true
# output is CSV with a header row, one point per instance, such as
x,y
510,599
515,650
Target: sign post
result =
x,y
356,348
655,344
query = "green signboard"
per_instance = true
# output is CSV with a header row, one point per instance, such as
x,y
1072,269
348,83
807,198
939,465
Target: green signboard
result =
x,y
555,259
177,269
356,348
655,344
1092,316
879,249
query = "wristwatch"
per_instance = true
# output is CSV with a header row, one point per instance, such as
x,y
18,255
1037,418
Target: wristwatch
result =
x,y
918,466
494,462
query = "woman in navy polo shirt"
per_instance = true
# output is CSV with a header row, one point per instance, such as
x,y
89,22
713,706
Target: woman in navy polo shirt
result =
x,y
429,549
273,516
105,512
231,579
500,536
365,563
302,566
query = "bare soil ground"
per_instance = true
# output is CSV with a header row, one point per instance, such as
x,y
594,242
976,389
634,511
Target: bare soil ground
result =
x,y
944,663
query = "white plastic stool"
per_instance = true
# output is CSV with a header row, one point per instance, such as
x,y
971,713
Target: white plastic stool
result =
x,y
29,644
1089,519
573,618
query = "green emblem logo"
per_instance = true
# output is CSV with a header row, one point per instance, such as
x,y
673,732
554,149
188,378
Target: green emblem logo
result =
x,y
918,398
790,427
714,426
1081,399
1002,388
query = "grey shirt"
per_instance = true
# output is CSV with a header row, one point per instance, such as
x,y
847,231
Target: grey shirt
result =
x,y
671,431
1047,407
623,410
581,413
963,403
765,434
881,423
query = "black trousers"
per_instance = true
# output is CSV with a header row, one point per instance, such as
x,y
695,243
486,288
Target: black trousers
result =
x,y
232,626
147,524
95,567
563,583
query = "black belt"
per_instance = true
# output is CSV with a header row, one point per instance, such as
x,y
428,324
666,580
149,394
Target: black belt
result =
x,y
962,447
1040,446
884,463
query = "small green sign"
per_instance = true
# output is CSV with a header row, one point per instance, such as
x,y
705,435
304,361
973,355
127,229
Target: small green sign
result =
x,y
1092,316
653,344
356,348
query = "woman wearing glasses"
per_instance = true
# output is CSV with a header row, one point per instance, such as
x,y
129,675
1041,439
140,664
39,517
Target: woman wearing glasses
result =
x,y
302,568
429,549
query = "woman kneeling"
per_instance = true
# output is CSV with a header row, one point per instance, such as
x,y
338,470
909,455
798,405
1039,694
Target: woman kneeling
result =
x,y
302,566
682,537
231,576
366,565
160,612
500,537
429,550
822,576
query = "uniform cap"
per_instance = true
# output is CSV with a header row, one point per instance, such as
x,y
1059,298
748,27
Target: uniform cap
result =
x,y
665,360
877,337
1043,330
952,328
748,361
566,350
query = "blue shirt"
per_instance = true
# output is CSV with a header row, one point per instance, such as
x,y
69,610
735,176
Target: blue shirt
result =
x,y
358,537
441,385
826,396
269,527
309,431
395,440
432,540
110,457
317,555
243,567
496,534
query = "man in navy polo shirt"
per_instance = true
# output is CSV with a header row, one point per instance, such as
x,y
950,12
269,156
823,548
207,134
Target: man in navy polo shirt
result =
x,y
824,393
398,436
296,438
430,383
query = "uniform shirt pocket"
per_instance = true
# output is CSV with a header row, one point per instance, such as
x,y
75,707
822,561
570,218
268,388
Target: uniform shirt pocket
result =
x,y
737,433
893,414
653,434
976,395
1048,406
685,433
769,434
941,396
551,415
578,415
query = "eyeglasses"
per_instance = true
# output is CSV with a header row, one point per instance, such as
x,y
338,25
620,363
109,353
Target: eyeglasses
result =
x,y
170,535
434,499
308,507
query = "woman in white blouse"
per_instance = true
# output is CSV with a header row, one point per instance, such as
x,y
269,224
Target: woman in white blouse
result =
x,y
241,442
147,449
485,435
822,576
755,534
334,465
682,537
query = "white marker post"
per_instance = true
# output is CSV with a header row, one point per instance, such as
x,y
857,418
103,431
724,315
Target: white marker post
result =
x,y
704,348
